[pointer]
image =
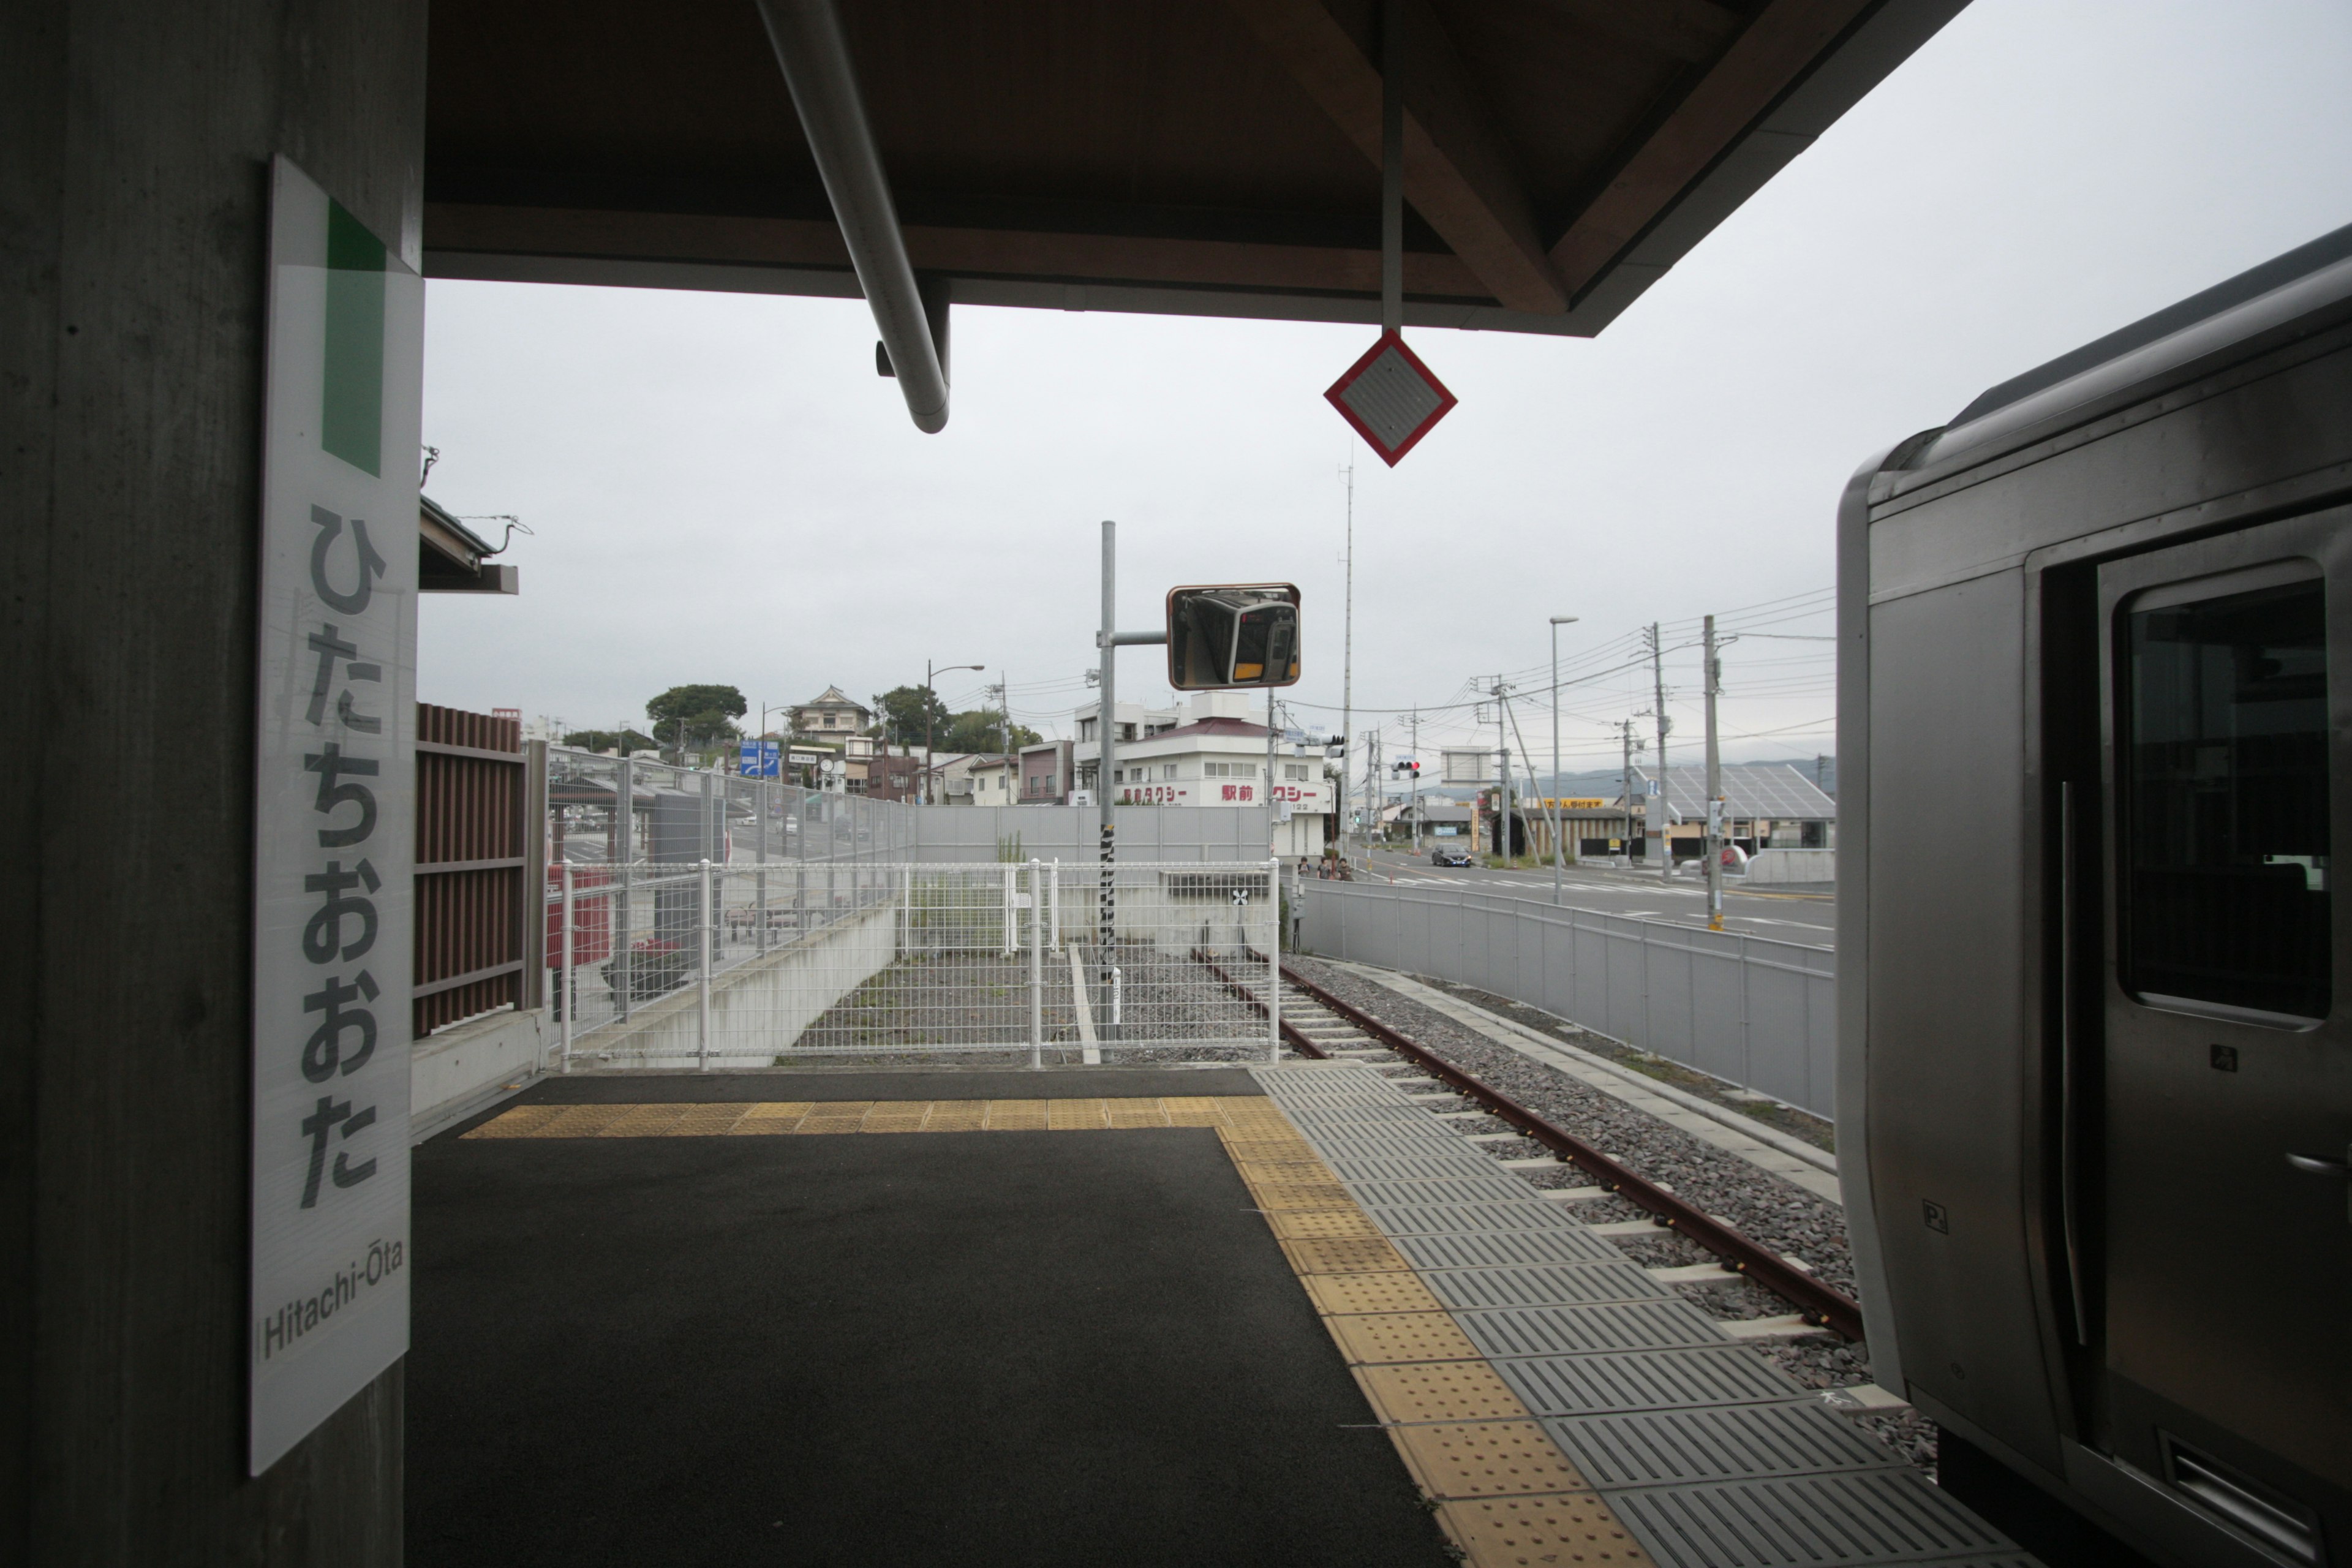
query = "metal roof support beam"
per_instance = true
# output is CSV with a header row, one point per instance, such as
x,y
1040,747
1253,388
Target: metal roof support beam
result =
x,y
815,56
1458,172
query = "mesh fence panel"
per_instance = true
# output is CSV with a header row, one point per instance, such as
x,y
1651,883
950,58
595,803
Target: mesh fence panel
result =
x,y
759,963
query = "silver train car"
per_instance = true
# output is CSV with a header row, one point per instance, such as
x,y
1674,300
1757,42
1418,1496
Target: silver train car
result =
x,y
2094,1095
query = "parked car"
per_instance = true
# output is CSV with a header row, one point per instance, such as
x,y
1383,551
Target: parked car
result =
x,y
1447,855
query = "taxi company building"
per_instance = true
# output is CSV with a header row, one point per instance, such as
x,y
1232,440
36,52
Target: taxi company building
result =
x,y
1217,757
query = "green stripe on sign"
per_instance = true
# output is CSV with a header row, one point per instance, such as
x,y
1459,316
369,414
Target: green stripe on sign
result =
x,y
351,425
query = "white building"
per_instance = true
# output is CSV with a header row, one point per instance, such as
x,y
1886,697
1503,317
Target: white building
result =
x,y
1214,753
1135,722
991,782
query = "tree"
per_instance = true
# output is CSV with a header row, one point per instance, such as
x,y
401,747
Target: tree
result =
x,y
902,708
696,715
982,730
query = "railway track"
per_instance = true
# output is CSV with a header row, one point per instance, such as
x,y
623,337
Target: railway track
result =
x,y
1316,1024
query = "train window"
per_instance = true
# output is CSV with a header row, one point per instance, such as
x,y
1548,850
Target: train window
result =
x,y
2224,779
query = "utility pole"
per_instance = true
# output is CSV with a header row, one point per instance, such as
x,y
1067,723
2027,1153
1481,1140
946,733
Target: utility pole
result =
x,y
1268,796
1504,836
1412,730
1106,749
1348,631
1665,822
1558,842
1714,791
1625,734
1374,795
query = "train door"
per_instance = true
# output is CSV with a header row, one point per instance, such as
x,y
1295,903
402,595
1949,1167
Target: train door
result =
x,y
2221,1251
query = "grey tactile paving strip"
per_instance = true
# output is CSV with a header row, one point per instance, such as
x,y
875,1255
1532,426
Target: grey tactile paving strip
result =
x,y
1460,1219
1854,1518
1737,1443
1549,1285
1506,1248
1590,1330
1706,1451
1697,1377
1391,1194
1414,1168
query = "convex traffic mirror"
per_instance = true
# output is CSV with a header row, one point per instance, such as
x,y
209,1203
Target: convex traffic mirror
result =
x,y
1232,633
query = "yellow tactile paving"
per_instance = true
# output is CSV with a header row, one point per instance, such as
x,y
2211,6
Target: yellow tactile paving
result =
x,y
1242,1121
1345,1255
1298,1224
1335,1293
1494,1458
897,1116
1301,1196
1017,1115
1266,1148
1281,1171
836,1116
1569,1528
1374,1339
708,1120
956,1115
770,1116
1440,1391
523,1121
1076,1115
643,1121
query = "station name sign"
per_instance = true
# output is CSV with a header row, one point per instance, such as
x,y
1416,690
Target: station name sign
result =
x,y
334,818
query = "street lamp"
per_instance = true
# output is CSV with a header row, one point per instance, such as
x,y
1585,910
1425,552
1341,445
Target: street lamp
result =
x,y
929,701
1559,847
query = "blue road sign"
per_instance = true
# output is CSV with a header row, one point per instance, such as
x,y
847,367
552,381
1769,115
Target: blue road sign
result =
x,y
760,759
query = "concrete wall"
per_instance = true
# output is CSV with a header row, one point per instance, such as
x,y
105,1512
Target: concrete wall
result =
x,y
1747,1009
134,146
1770,866
951,835
468,1058
759,1007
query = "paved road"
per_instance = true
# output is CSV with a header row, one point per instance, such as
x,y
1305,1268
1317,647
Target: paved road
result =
x,y
1810,918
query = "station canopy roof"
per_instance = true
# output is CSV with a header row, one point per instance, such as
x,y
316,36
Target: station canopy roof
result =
x,y
1217,157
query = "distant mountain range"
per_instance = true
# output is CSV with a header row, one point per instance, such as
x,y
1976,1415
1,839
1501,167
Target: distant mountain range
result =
x,y
1605,783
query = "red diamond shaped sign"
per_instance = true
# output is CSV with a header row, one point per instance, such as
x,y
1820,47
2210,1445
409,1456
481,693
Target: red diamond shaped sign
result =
x,y
1390,398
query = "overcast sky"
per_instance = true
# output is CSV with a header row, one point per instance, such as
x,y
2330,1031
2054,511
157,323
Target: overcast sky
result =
x,y
723,490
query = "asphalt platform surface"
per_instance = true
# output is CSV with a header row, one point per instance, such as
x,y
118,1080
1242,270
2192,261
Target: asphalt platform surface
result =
x,y
987,1348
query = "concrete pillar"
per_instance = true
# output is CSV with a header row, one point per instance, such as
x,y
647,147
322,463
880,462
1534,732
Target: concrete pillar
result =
x,y
134,149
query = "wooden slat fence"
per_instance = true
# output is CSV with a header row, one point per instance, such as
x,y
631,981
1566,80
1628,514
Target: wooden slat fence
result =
x,y
480,860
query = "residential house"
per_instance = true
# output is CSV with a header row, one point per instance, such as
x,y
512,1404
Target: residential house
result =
x,y
831,715
1045,773
982,780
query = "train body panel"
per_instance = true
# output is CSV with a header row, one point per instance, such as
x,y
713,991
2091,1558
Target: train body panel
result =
x,y
2095,715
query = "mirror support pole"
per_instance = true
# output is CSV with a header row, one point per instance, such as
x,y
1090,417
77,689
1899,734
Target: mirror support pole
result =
x,y
1106,754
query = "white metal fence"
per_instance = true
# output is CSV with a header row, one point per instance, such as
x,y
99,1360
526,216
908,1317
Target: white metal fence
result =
x,y
1751,1010
753,963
